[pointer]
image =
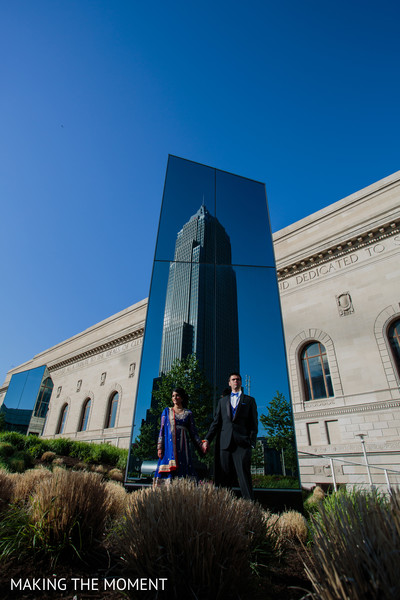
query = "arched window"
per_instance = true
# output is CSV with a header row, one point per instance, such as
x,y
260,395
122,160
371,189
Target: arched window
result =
x,y
85,415
112,410
316,374
62,419
394,340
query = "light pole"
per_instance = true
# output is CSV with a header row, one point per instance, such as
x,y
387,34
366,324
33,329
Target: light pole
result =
x,y
362,436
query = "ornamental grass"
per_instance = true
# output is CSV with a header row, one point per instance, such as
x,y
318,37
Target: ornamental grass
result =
x,y
6,489
69,511
117,499
26,483
356,548
289,527
198,537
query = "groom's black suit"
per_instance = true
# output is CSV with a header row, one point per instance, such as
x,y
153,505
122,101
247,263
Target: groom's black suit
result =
x,y
237,435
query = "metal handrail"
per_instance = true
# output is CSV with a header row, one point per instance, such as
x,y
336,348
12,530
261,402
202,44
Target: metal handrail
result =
x,y
352,462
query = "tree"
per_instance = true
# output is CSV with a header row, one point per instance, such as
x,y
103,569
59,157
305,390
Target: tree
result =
x,y
187,374
278,424
2,421
257,456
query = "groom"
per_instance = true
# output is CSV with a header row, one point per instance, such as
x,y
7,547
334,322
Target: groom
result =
x,y
236,424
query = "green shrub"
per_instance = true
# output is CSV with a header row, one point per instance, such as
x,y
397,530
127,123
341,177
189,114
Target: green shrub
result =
x,y
199,537
123,459
15,533
14,438
6,450
275,482
81,450
60,446
36,446
105,453
333,503
356,547
18,462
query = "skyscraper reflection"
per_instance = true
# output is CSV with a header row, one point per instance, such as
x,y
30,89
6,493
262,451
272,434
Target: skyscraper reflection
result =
x,y
201,312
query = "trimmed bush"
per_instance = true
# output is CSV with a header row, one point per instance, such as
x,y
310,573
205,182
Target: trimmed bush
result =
x,y
116,475
81,466
48,456
199,537
292,526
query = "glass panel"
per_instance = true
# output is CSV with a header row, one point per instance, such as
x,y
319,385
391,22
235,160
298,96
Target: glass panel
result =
x,y
394,338
242,210
306,376
113,410
206,299
313,349
85,416
188,187
24,388
317,377
42,403
63,419
24,393
328,379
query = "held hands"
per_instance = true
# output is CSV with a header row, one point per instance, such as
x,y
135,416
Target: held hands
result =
x,y
159,453
205,446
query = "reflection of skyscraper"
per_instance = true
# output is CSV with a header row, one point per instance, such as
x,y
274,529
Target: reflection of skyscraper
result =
x,y
201,314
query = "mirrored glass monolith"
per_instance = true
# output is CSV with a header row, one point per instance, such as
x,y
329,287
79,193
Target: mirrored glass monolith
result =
x,y
213,309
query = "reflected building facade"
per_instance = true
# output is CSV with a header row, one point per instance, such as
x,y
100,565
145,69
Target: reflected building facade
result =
x,y
27,401
201,312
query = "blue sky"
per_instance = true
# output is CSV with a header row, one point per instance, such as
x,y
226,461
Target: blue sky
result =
x,y
94,95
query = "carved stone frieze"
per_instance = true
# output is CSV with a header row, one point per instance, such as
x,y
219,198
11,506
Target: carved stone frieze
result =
x,y
124,342
327,255
346,410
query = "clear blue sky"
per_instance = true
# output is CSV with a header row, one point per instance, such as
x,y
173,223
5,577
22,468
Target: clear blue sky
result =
x,y
94,94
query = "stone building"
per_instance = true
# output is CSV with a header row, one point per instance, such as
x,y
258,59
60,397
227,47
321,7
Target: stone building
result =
x,y
94,378
339,279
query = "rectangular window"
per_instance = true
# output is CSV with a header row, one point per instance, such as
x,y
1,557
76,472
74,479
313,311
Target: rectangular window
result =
x,y
314,434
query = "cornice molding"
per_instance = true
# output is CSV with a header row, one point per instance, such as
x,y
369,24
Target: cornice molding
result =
x,y
338,250
346,410
138,333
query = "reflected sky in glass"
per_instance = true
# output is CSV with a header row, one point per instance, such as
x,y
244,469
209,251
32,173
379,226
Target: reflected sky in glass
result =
x,y
24,388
